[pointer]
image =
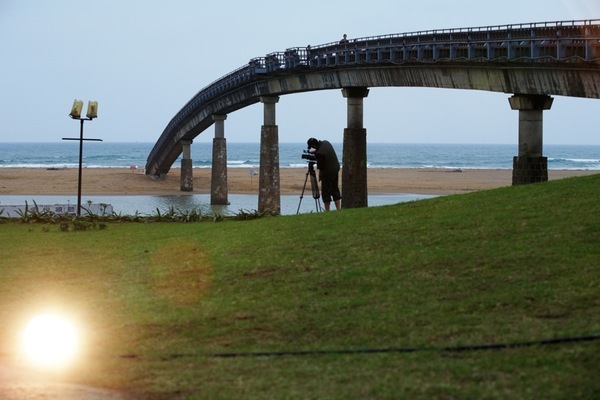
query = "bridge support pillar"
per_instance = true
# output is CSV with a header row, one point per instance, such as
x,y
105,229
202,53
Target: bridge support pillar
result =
x,y
354,171
187,176
218,185
269,199
530,165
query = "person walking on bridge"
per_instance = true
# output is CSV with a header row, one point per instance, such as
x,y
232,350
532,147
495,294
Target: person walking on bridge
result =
x,y
329,169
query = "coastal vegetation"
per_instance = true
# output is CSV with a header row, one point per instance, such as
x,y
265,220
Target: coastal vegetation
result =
x,y
492,294
88,220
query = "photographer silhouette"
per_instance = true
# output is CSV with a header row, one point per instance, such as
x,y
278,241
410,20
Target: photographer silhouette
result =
x,y
329,169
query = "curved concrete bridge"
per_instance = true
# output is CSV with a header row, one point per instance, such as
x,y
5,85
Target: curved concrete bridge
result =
x,y
529,61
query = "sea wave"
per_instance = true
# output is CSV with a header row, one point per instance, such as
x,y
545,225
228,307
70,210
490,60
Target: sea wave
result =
x,y
583,160
293,166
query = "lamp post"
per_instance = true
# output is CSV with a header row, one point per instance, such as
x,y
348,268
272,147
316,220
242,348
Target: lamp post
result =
x,y
92,112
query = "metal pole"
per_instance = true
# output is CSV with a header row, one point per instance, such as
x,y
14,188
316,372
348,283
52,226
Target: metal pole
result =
x,y
80,169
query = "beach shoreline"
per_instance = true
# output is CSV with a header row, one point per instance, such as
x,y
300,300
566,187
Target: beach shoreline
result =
x,y
130,182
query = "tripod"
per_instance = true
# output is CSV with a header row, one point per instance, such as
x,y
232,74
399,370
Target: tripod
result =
x,y
314,184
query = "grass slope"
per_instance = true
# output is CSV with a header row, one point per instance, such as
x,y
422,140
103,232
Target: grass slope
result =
x,y
159,300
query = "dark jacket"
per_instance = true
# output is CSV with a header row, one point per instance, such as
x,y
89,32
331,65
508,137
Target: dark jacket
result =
x,y
327,161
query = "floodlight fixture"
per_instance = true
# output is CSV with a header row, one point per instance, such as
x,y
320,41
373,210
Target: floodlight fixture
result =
x,y
92,110
76,109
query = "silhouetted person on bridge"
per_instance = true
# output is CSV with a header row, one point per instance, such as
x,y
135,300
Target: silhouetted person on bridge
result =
x,y
329,169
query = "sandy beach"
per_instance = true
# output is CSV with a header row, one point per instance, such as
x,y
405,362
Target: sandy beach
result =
x,y
123,181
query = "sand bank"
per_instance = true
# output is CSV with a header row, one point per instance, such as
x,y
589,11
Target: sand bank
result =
x,y
124,181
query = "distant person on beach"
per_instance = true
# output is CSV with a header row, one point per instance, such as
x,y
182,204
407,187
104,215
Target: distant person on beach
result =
x,y
329,169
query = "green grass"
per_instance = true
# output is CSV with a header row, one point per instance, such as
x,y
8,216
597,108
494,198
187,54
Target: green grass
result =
x,y
158,300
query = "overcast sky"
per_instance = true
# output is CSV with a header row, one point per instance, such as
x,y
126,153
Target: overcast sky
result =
x,y
142,60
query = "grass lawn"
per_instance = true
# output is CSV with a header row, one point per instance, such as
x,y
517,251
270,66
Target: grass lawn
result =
x,y
160,302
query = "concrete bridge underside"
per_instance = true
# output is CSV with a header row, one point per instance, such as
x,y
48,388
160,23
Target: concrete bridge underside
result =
x,y
527,78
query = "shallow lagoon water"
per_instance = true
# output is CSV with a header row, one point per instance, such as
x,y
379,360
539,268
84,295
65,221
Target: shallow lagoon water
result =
x,y
148,205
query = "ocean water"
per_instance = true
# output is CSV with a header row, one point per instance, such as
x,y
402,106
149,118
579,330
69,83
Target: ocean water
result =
x,y
247,155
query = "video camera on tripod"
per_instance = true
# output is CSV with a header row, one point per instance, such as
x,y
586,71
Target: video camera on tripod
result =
x,y
308,156
311,158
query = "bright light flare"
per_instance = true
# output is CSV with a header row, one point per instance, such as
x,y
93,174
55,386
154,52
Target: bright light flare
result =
x,y
50,341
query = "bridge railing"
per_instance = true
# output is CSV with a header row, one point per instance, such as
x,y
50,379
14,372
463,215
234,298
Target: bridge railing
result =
x,y
562,41
454,33
575,38
550,40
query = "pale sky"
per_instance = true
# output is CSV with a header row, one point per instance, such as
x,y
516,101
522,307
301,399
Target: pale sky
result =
x,y
142,60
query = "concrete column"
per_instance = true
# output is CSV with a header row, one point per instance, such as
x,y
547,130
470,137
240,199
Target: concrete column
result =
x,y
530,165
269,199
187,176
218,186
354,170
